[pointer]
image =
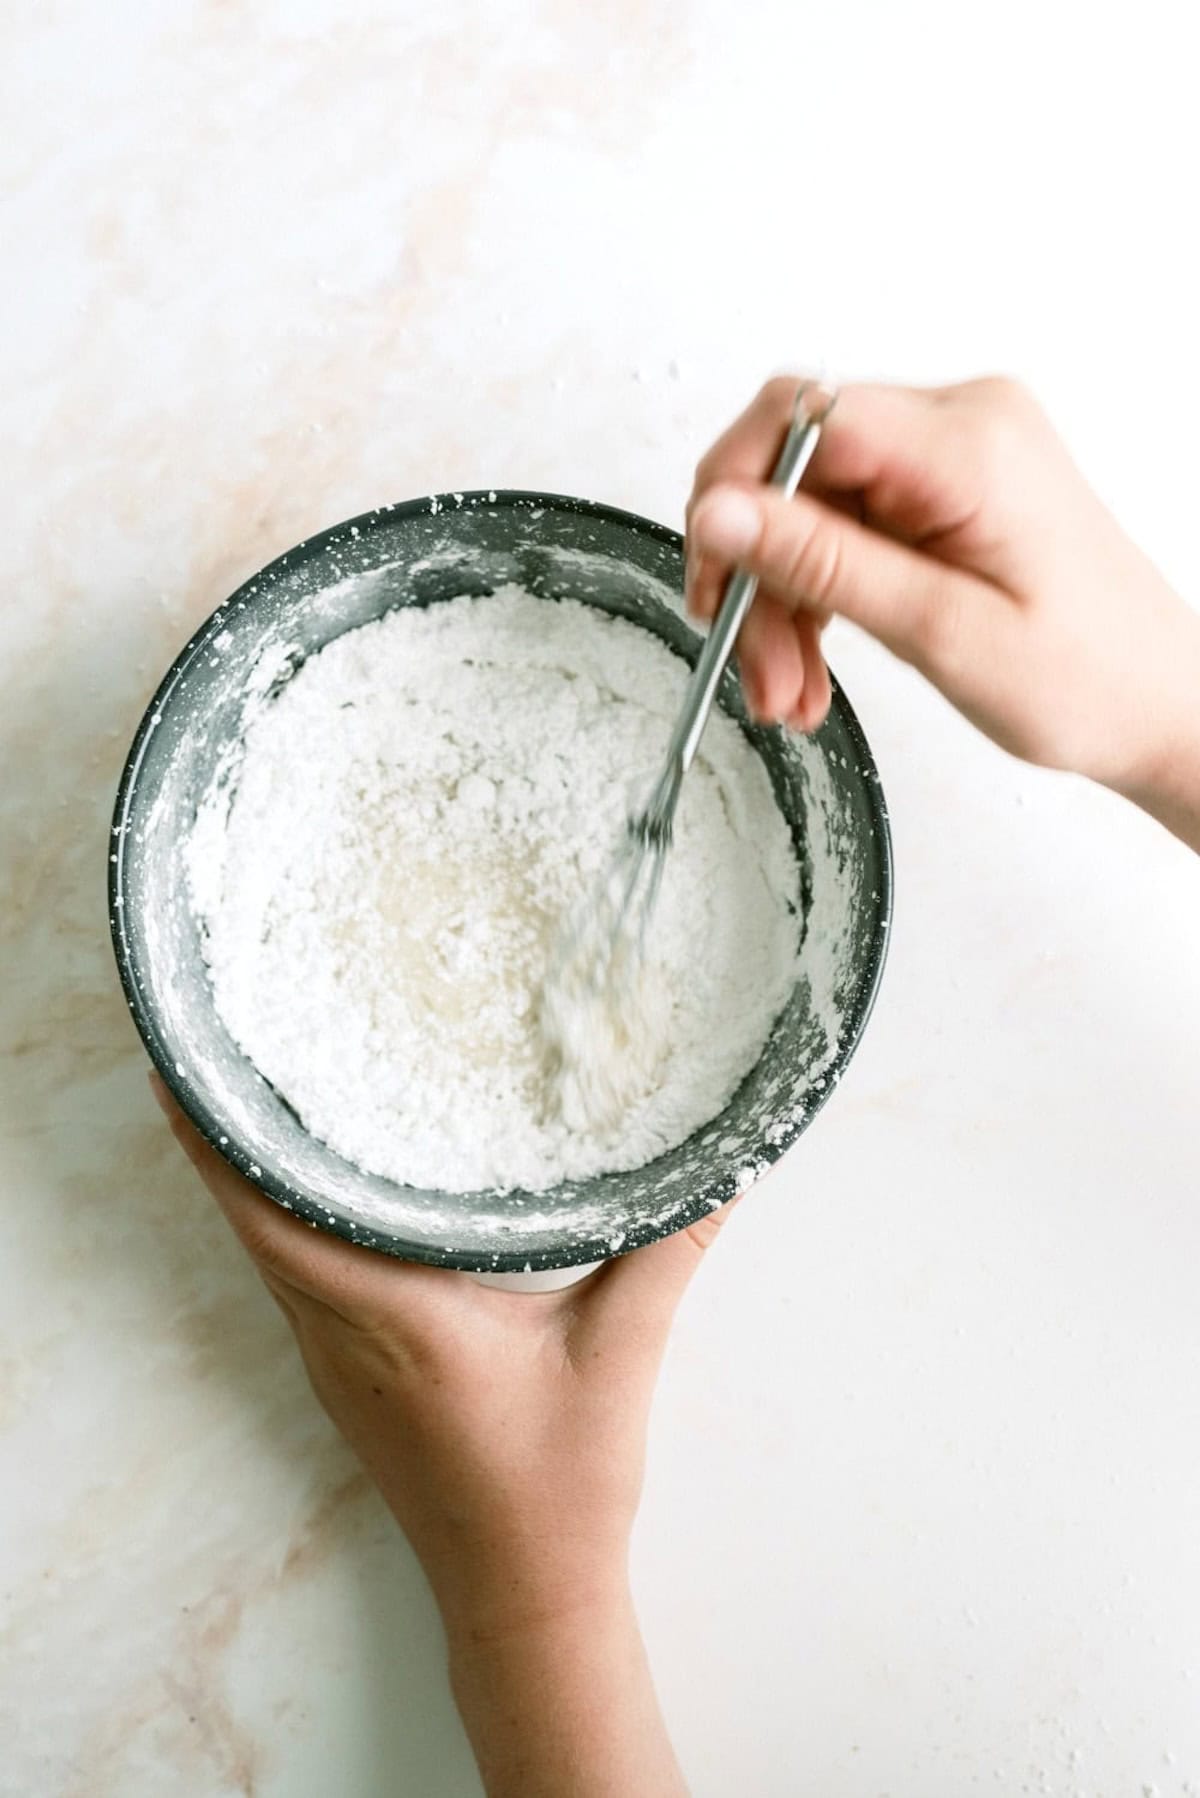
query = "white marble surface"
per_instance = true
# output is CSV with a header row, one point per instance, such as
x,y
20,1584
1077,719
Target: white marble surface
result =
x,y
922,1512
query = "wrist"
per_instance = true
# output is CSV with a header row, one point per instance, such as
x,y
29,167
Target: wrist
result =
x,y
528,1591
561,1699
542,1635
1163,776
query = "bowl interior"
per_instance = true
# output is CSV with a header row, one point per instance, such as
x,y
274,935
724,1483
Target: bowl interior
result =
x,y
418,554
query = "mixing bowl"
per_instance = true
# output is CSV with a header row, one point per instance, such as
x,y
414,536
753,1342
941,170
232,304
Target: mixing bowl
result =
x,y
417,554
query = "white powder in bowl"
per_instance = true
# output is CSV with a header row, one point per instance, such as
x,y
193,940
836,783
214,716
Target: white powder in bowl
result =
x,y
415,814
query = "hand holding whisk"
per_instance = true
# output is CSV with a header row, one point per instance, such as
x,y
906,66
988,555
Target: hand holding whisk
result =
x,y
590,1003
648,832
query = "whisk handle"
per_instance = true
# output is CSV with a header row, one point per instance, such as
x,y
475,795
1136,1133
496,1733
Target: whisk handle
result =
x,y
813,403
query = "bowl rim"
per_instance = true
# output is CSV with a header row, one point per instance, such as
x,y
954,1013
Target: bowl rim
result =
x,y
174,1075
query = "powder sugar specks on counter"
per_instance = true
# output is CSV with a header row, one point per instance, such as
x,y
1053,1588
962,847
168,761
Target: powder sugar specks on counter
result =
x,y
416,813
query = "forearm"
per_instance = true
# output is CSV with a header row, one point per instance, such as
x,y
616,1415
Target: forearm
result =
x,y
564,1707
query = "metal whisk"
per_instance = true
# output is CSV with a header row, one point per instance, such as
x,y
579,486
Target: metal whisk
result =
x,y
650,831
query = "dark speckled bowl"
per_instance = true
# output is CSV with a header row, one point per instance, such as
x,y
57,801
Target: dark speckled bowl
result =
x,y
416,554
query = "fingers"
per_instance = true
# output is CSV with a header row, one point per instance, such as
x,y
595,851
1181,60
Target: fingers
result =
x,y
704,580
812,707
626,1310
906,452
771,660
356,1282
816,559
747,450
783,665
910,455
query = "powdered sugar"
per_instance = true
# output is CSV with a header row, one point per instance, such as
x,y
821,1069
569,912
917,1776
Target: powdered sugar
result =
x,y
604,1011
415,813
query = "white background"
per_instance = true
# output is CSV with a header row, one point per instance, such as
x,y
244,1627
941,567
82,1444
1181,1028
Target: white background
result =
x,y
923,1506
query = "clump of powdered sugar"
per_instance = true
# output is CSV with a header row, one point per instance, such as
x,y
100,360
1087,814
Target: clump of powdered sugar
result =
x,y
415,814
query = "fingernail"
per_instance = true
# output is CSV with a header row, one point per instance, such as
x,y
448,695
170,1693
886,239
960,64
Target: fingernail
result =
x,y
726,522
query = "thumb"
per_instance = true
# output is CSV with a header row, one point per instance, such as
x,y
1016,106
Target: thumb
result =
x,y
632,1302
813,557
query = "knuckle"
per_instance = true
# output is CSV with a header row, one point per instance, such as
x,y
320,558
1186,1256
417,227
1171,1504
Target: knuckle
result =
x,y
1004,402
779,393
811,561
1005,393
1001,424
1017,398
998,395
706,471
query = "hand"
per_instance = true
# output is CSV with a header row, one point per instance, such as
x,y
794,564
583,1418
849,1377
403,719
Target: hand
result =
x,y
506,1431
953,525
